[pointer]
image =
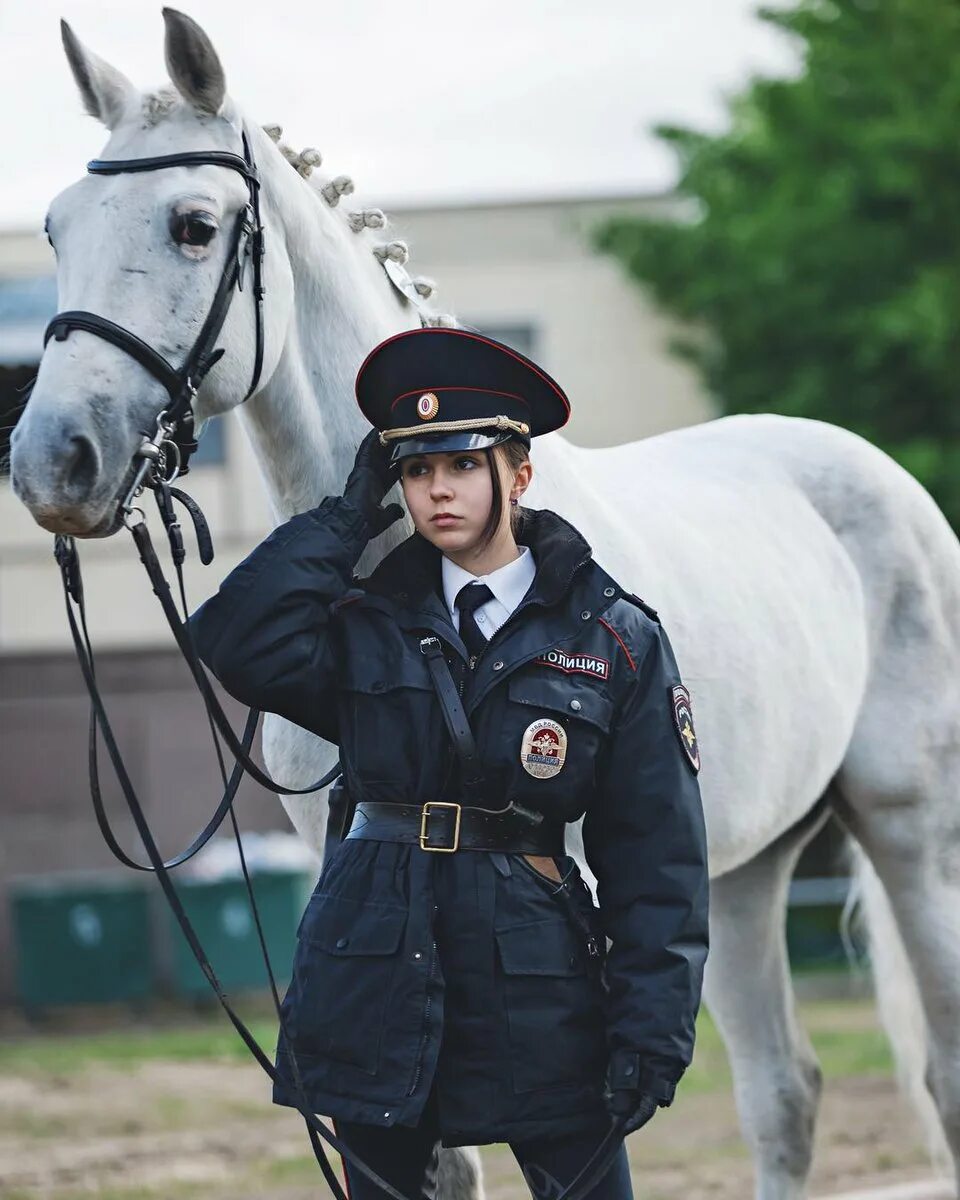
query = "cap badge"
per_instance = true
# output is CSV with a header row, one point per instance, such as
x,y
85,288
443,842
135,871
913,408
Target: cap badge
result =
x,y
544,749
427,406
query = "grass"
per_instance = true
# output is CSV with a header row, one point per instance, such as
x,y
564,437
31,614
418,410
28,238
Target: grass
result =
x,y
845,1038
68,1053
697,1151
844,1035
296,1168
165,1191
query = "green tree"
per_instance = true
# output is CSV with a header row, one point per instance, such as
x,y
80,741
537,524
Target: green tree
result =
x,y
820,271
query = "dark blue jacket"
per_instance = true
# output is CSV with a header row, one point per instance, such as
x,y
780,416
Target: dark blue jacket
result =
x,y
463,968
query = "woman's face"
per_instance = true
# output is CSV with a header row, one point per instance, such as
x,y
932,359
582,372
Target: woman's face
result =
x,y
449,495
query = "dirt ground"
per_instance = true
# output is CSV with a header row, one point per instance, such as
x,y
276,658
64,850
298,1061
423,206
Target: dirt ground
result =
x,y
179,1130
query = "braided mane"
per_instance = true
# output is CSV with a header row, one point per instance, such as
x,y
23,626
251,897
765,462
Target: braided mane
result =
x,y
332,189
157,105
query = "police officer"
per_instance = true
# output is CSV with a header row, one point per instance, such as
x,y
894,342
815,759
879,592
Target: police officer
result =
x,y
487,684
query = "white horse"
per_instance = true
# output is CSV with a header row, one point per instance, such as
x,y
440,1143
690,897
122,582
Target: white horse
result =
x,y
810,586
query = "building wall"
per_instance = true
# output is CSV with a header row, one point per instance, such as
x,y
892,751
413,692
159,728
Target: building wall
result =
x,y
532,265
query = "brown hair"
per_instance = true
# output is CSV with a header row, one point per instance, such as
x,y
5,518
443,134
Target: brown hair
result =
x,y
513,453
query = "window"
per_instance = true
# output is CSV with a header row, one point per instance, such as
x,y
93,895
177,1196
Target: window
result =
x,y
26,306
211,448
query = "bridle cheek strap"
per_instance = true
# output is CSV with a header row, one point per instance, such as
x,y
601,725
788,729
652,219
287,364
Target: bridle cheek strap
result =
x,y
247,240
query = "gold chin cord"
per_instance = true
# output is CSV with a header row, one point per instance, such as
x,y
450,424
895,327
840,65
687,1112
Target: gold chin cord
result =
x,y
391,435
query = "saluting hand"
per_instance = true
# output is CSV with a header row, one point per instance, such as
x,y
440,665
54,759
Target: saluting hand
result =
x,y
370,480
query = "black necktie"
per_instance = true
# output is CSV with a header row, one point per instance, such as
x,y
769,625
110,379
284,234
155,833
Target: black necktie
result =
x,y
468,600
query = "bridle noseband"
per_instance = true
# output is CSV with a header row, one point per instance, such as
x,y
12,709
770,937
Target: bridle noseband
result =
x,y
167,450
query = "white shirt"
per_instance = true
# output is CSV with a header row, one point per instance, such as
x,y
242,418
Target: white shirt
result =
x,y
509,584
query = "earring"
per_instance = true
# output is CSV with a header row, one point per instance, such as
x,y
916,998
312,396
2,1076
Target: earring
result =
x,y
514,500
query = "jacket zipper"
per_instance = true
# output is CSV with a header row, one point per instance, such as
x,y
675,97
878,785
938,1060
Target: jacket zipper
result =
x,y
425,1033
428,1005
527,604
471,662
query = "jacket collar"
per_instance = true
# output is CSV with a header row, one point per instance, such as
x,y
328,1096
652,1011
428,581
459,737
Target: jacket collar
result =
x,y
508,583
411,573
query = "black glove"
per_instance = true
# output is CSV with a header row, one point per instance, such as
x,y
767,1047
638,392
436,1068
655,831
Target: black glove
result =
x,y
370,480
637,1107
625,1094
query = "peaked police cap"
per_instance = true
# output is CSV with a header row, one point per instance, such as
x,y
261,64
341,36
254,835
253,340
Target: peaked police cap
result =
x,y
428,390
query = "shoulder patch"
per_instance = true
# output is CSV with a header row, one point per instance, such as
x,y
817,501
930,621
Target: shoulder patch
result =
x,y
683,723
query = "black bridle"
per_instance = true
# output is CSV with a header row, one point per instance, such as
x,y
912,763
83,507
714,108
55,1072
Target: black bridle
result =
x,y
162,456
175,424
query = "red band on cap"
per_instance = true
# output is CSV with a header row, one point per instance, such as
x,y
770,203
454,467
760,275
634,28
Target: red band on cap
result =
x,y
487,391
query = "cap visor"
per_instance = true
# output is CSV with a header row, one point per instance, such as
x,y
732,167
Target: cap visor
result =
x,y
439,442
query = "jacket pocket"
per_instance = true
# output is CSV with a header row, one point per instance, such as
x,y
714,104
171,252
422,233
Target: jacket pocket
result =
x,y
577,906
574,717
386,717
554,1009
344,976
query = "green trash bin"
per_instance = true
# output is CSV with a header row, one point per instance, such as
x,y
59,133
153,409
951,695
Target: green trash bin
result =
x,y
219,911
814,920
80,939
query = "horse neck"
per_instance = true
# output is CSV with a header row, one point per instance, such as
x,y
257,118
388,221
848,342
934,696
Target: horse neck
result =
x,y
304,423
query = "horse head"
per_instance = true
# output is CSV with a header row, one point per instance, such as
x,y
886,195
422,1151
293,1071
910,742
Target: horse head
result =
x,y
145,250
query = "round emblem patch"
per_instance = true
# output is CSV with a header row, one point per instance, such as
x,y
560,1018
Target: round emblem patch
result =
x,y
544,748
427,406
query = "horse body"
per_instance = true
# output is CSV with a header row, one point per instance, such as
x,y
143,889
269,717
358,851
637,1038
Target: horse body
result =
x,y
810,587
761,601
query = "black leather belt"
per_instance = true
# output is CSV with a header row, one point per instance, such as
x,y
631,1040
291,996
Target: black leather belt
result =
x,y
443,827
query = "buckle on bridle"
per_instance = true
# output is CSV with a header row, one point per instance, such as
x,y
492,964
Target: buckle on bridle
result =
x,y
424,835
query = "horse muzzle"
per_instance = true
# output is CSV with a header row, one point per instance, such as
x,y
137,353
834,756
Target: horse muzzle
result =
x,y
63,482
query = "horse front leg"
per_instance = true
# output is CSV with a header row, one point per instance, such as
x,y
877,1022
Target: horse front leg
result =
x,y
748,991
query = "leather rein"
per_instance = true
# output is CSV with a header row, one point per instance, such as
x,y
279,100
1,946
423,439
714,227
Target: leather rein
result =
x,y
162,456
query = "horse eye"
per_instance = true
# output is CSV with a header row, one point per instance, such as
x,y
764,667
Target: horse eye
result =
x,y
193,229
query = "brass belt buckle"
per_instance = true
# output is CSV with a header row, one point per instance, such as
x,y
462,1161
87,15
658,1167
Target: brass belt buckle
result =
x,y
424,816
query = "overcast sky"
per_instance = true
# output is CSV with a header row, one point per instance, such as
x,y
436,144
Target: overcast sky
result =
x,y
423,100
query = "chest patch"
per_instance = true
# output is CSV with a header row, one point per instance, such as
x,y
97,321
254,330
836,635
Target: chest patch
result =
x,y
575,664
544,748
683,723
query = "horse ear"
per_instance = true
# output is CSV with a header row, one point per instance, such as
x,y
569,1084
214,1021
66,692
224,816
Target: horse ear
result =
x,y
105,90
193,63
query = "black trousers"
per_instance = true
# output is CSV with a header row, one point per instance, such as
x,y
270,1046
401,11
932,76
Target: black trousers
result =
x,y
407,1159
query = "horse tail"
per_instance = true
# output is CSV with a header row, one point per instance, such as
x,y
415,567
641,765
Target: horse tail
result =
x,y
898,998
